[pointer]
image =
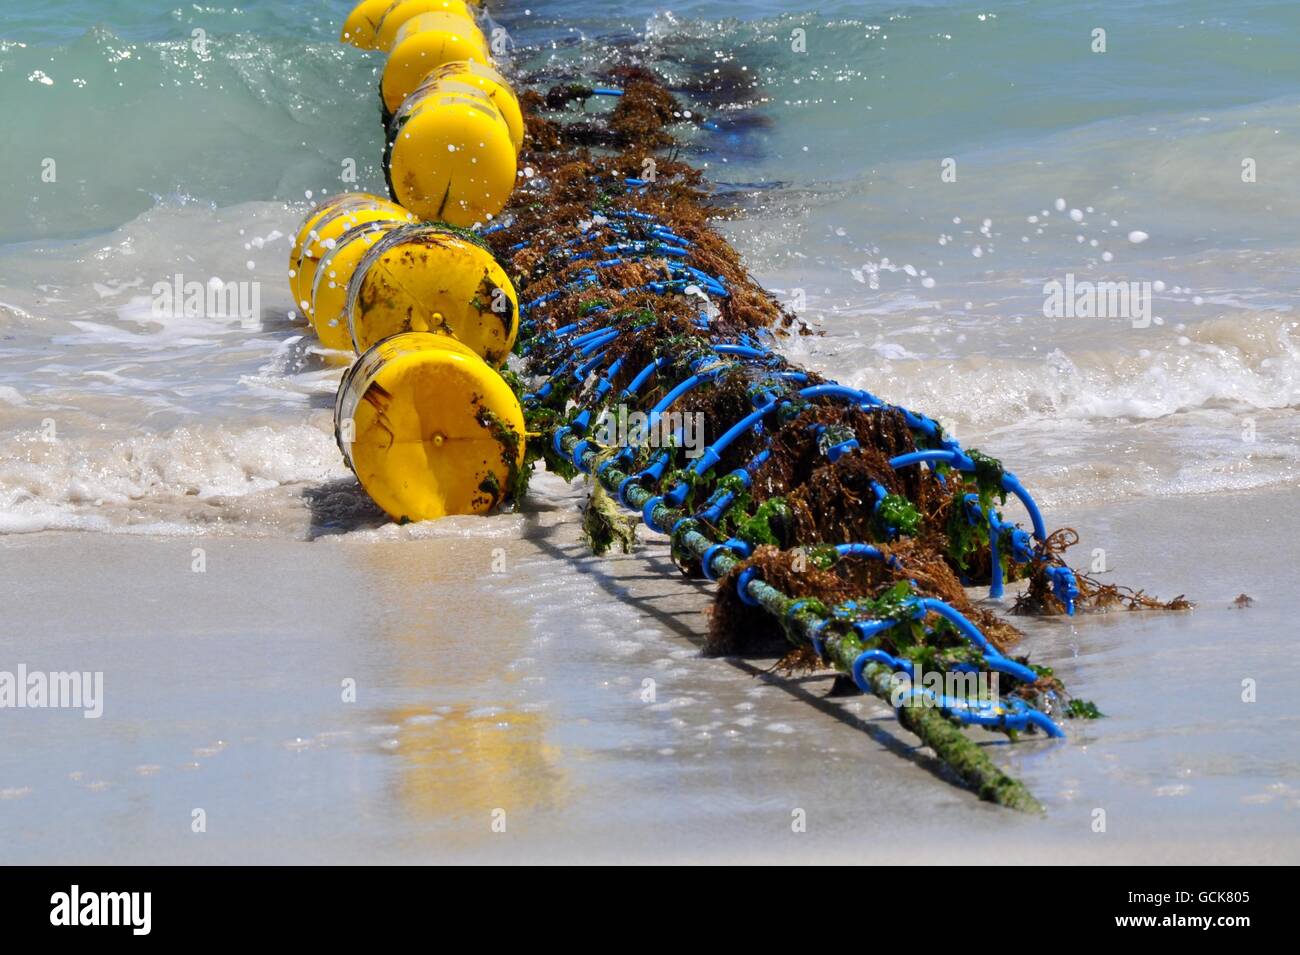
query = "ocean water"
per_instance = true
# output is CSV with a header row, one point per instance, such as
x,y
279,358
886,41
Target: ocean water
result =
x,y
189,140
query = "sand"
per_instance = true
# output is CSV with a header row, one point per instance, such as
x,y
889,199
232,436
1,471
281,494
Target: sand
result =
x,y
501,683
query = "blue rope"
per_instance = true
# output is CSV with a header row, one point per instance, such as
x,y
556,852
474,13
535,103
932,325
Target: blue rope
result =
x,y
637,236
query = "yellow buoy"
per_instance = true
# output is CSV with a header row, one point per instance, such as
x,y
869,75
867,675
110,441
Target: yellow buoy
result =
x,y
324,235
467,72
362,24
398,12
329,296
428,278
423,44
428,428
318,212
453,159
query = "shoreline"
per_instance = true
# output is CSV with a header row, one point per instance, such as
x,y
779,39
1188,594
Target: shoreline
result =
x,y
524,691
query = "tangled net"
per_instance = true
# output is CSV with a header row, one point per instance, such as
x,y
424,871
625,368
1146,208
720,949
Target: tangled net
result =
x,y
841,526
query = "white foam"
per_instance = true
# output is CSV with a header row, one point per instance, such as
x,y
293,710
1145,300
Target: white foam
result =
x,y
153,482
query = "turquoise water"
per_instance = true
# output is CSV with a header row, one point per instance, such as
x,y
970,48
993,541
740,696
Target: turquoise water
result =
x,y
136,114
175,156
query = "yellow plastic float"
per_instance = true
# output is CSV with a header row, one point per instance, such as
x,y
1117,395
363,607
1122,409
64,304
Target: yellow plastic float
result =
x,y
329,296
473,74
318,212
422,417
453,158
428,428
323,228
423,44
362,24
399,12
428,278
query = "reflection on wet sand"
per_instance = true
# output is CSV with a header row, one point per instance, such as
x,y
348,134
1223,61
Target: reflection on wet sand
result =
x,y
474,768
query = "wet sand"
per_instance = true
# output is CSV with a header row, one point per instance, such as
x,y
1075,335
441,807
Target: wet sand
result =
x,y
525,691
